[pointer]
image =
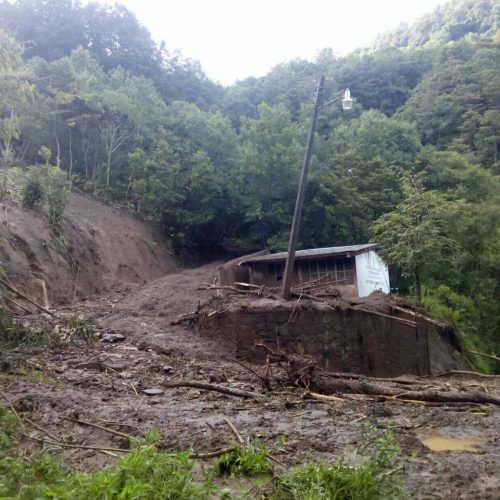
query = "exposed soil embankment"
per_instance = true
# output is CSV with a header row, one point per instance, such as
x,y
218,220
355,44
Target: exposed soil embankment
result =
x,y
101,247
373,336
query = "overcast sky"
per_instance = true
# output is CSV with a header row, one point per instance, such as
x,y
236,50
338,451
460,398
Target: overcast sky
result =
x,y
234,39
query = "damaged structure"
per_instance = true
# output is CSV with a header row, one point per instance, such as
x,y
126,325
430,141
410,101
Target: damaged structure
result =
x,y
355,270
342,314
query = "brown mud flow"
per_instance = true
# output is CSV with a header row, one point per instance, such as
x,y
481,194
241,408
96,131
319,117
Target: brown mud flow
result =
x,y
103,383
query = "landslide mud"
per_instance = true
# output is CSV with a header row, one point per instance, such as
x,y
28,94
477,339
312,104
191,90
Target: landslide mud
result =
x,y
102,383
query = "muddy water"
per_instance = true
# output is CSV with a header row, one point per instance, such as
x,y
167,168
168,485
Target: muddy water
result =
x,y
435,441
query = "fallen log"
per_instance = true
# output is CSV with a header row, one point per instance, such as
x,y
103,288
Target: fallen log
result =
x,y
329,385
217,388
185,317
25,297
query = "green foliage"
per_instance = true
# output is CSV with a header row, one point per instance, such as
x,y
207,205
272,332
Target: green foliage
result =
x,y
144,473
57,196
373,479
413,236
47,186
249,459
17,334
33,192
463,312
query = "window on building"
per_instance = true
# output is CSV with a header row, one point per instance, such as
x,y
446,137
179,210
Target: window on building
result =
x,y
339,270
277,269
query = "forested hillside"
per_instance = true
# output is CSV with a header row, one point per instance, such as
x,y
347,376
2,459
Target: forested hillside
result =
x,y
413,165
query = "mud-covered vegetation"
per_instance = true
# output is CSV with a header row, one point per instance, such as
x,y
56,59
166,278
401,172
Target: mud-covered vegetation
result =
x,y
146,472
216,168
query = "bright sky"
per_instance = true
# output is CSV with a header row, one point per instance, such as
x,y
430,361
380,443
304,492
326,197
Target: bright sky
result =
x,y
234,39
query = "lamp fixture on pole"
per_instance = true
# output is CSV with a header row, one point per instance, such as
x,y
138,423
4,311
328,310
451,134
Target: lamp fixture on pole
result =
x,y
299,203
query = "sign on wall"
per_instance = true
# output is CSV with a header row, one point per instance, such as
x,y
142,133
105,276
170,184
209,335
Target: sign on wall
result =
x,y
371,274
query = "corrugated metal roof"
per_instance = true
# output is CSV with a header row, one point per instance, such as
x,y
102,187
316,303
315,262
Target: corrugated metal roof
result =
x,y
312,252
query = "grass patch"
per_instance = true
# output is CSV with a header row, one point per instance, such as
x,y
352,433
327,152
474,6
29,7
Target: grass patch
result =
x,y
374,479
146,473
249,460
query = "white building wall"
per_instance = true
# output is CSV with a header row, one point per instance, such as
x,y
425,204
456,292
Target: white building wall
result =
x,y
371,274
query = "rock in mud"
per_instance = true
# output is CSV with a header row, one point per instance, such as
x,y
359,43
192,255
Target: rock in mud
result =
x,y
154,391
112,338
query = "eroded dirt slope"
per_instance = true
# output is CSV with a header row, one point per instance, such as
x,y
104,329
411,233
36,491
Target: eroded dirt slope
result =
x,y
102,247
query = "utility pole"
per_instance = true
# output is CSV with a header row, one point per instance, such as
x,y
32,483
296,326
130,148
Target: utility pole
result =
x,y
299,203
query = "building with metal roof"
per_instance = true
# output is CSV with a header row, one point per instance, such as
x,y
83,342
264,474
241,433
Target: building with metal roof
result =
x,y
354,269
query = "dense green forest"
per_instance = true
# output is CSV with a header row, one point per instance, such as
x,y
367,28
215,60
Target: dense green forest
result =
x,y
414,165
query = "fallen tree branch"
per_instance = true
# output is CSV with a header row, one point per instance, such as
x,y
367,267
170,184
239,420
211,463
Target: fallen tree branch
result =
x,y
395,318
24,308
325,384
421,316
25,297
41,429
213,454
217,388
185,317
464,372
101,427
490,356
358,376
321,397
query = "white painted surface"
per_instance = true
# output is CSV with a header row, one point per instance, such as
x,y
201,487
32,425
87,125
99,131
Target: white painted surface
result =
x,y
371,274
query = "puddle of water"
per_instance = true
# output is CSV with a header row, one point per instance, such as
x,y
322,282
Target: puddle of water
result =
x,y
435,441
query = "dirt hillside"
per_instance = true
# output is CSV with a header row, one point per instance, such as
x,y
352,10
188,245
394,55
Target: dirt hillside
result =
x,y
102,247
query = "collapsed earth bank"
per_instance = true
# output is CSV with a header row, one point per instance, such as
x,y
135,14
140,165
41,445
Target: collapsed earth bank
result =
x,y
100,247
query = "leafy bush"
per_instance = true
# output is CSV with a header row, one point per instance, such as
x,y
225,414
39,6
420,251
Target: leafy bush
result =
x,y
57,196
47,187
249,459
33,192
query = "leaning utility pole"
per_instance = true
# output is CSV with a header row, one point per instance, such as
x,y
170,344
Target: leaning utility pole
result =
x,y
299,203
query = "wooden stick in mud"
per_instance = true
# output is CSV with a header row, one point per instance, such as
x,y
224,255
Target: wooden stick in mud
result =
x,y
217,388
101,427
212,454
321,397
77,446
234,431
23,296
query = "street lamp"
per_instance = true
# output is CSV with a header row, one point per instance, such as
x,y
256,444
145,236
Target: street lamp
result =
x,y
299,203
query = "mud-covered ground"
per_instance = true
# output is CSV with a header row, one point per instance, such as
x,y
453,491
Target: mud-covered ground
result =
x,y
103,383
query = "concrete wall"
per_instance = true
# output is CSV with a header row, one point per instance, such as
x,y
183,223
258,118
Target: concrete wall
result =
x,y
371,274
